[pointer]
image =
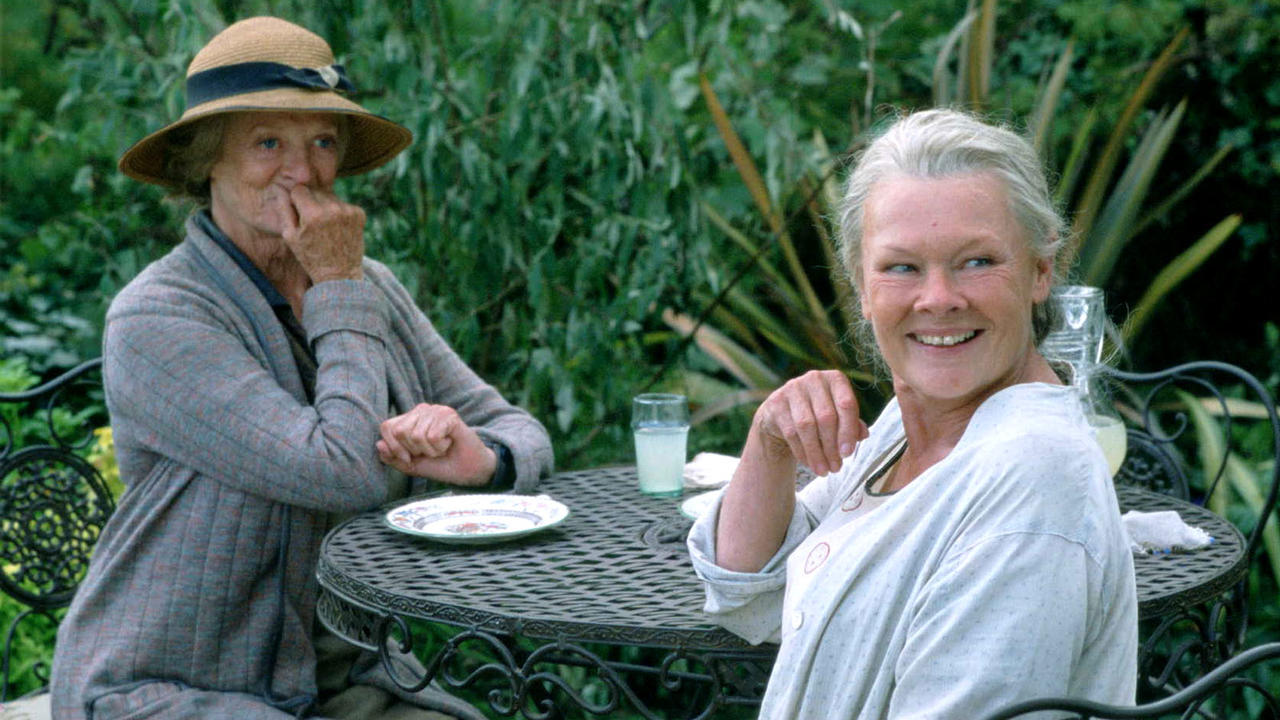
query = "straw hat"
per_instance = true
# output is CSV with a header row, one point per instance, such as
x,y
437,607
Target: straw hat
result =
x,y
266,63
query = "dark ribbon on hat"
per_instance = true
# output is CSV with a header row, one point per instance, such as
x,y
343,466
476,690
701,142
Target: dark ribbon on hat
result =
x,y
241,78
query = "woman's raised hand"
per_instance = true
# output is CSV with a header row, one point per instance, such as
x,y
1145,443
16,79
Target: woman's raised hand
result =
x,y
431,441
325,234
813,419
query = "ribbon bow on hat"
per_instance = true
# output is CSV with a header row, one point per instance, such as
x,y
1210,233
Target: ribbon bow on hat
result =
x,y
248,77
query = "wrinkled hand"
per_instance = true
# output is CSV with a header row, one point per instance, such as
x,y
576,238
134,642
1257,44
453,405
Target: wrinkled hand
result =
x,y
325,234
812,419
431,441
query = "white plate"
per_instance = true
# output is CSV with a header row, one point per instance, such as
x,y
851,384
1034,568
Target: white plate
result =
x,y
708,471
696,505
477,519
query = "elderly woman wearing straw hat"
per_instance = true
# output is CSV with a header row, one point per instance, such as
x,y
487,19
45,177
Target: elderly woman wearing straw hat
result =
x,y
261,377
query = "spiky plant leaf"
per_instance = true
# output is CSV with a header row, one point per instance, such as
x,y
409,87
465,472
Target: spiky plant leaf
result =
x,y
754,181
1114,227
1177,271
1047,105
1095,190
736,360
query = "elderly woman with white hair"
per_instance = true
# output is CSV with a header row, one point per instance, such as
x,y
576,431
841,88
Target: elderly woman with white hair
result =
x,y
964,551
263,378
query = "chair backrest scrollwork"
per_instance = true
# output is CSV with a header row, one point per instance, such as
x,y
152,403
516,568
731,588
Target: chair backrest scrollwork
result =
x,y
1149,464
1207,432
1160,419
53,502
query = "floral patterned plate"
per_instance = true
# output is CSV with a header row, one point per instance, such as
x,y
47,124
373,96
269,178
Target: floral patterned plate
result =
x,y
477,519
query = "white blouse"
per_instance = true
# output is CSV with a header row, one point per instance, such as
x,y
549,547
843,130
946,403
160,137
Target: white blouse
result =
x,y
1001,573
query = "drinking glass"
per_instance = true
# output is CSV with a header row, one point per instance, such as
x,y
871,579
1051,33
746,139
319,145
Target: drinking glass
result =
x,y
660,422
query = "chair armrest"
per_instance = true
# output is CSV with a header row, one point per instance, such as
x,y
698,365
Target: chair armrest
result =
x,y
1226,678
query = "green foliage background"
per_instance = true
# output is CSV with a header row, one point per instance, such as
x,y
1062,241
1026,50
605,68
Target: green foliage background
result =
x,y
553,203
556,198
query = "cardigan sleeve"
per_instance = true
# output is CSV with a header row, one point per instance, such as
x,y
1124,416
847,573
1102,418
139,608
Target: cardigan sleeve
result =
x,y
451,382
481,406
190,389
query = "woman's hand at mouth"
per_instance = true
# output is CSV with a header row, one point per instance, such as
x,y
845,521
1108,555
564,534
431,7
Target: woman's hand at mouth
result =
x,y
325,234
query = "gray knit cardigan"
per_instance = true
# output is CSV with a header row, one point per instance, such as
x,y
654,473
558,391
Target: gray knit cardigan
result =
x,y
200,598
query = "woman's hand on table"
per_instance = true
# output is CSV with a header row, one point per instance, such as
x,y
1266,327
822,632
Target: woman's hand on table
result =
x,y
431,441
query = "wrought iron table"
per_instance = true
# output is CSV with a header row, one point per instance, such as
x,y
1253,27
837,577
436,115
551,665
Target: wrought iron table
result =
x,y
616,572
1167,582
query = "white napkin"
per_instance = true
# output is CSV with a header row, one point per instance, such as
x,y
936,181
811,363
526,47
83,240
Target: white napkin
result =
x,y
709,470
1161,532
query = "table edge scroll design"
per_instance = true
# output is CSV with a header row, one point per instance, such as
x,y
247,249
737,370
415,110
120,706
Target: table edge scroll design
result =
x,y
372,597
377,600
1217,636
521,679
348,620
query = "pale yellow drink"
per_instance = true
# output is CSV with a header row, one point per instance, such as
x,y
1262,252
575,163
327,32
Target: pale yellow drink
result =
x,y
660,453
1111,436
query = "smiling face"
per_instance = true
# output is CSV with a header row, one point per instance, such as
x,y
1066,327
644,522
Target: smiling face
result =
x,y
262,156
948,282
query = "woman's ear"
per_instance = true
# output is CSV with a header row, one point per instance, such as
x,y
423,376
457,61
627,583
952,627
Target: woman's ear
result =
x,y
1042,278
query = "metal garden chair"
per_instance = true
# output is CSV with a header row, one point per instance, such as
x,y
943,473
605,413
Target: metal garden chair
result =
x,y
1228,691
53,503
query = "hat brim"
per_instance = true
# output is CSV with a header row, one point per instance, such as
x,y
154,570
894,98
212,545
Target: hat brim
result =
x,y
372,142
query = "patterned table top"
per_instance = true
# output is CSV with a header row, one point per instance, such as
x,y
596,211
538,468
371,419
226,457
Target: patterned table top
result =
x,y
617,571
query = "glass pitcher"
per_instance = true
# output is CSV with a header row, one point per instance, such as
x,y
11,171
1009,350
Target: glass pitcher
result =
x,y
1081,319
1076,343
1094,390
